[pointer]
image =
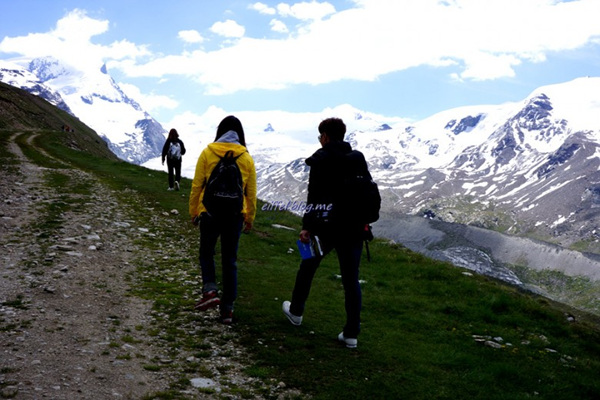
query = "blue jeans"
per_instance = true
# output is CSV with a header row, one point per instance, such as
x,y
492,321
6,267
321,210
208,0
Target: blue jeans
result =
x,y
229,230
349,251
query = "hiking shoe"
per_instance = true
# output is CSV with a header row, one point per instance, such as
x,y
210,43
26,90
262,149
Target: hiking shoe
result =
x,y
350,343
294,319
176,185
208,300
226,317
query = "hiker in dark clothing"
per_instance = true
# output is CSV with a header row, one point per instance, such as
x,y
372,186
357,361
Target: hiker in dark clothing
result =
x,y
172,150
333,224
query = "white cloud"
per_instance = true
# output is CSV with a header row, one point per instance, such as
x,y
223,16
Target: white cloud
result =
x,y
262,8
479,39
70,42
306,11
489,66
149,102
474,39
229,28
190,36
77,26
278,26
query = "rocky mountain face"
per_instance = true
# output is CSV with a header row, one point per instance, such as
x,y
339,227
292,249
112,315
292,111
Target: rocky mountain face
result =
x,y
530,168
96,99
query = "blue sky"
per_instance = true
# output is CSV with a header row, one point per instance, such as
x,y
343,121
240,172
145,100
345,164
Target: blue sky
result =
x,y
396,58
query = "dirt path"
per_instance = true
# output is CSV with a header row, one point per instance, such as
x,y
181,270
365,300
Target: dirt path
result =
x,y
68,327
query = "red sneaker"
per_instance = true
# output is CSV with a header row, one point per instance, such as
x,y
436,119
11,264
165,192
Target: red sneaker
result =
x,y
209,300
227,317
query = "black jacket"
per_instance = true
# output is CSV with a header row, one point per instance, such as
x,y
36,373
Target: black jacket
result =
x,y
328,203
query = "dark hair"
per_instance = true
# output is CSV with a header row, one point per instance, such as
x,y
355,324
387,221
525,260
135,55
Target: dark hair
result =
x,y
231,123
173,134
334,128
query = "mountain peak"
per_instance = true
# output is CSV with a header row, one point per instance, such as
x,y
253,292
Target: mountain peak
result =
x,y
46,68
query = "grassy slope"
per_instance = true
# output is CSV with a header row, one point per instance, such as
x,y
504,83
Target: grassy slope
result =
x,y
20,110
419,320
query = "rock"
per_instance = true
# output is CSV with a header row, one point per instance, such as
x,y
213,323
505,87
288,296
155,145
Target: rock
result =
x,y
202,382
9,392
493,345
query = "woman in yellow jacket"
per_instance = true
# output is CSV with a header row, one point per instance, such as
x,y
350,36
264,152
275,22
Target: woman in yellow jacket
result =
x,y
230,138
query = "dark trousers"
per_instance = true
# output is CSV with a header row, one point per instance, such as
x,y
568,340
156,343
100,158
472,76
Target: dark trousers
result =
x,y
349,252
174,168
229,230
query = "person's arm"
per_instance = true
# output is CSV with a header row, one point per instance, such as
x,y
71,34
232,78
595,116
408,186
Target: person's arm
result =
x,y
250,195
164,151
198,186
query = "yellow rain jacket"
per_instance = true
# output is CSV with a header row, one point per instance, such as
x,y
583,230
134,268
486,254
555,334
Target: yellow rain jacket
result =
x,y
207,161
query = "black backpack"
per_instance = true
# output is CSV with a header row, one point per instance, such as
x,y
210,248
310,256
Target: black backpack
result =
x,y
224,193
358,195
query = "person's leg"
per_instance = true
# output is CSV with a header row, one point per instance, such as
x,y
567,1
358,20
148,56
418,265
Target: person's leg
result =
x,y
230,238
349,253
178,170
304,278
177,166
209,233
170,169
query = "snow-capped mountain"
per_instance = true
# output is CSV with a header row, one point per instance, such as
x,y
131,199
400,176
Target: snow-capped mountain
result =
x,y
16,76
95,98
530,167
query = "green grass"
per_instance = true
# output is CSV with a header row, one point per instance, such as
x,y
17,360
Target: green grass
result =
x,y
424,327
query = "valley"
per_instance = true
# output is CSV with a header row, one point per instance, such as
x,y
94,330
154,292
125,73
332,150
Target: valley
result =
x,y
560,274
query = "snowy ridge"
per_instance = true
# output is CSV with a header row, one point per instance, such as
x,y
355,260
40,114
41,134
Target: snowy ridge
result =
x,y
524,167
95,99
16,76
527,167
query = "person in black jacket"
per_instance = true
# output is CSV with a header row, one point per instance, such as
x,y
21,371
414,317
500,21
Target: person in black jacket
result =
x,y
330,220
172,150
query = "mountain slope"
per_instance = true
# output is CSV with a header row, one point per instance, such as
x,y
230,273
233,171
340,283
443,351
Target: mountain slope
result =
x,y
95,98
20,110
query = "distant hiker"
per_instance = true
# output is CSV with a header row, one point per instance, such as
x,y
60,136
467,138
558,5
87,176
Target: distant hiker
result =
x,y
332,224
223,202
172,150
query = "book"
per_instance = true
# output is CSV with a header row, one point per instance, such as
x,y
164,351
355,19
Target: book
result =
x,y
310,249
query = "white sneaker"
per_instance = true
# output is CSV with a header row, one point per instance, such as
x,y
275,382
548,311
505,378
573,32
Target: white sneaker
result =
x,y
351,343
176,185
170,189
294,319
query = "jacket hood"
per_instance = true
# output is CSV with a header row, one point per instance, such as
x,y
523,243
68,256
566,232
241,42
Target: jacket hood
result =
x,y
229,141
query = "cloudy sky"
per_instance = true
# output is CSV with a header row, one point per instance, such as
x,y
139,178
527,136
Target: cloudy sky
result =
x,y
397,58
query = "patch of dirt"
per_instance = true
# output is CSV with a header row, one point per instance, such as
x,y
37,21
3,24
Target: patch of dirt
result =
x,y
69,328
